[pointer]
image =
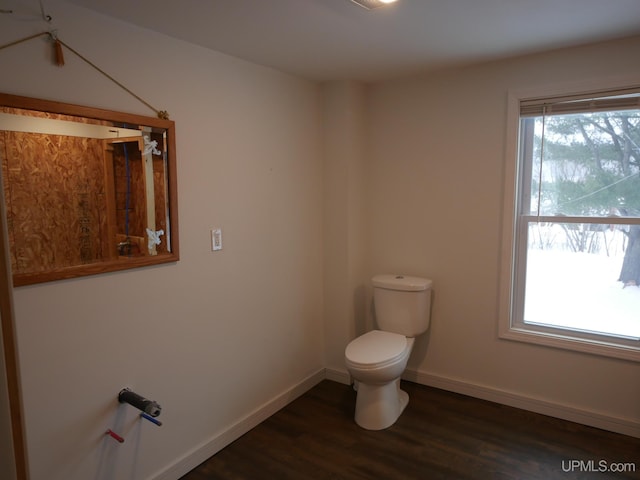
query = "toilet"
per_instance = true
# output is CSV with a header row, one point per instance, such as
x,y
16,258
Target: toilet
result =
x,y
377,359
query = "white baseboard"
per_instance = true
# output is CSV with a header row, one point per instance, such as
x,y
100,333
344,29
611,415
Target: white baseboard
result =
x,y
340,376
537,405
221,439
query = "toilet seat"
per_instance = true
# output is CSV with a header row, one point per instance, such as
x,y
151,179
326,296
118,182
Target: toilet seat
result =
x,y
377,349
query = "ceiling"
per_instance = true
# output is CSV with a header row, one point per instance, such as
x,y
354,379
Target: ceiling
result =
x,y
336,39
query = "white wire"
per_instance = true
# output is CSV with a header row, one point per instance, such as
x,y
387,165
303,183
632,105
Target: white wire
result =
x,y
544,113
45,17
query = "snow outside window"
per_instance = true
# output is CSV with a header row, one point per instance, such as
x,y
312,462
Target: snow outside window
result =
x,y
575,236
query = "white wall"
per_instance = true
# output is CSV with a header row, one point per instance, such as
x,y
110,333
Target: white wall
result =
x,y
345,269
436,178
215,336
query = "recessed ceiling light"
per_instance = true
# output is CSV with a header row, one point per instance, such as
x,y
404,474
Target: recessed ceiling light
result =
x,y
371,4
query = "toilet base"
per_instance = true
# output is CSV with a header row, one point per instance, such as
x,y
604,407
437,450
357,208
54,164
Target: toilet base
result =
x,y
379,406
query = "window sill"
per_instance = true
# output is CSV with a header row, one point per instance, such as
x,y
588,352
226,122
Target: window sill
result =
x,y
568,340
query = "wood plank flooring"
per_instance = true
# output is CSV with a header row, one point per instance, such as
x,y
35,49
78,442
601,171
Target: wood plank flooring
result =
x,y
441,435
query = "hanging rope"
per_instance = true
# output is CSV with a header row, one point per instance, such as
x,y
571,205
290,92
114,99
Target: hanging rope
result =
x,y
163,114
23,40
160,113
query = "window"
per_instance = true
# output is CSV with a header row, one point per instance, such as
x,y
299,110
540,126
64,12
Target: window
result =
x,y
574,261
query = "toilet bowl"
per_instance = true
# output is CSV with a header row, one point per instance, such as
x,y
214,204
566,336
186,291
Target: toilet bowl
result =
x,y
376,361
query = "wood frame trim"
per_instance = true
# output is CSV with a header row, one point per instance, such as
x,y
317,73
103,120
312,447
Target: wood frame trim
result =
x,y
10,351
172,188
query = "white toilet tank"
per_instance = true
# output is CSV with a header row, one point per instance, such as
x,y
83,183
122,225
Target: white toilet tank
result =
x,y
402,304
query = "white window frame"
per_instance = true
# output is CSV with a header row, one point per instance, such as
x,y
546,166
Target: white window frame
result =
x,y
508,327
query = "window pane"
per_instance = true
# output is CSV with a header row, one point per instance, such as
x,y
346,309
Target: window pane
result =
x,y
584,277
585,164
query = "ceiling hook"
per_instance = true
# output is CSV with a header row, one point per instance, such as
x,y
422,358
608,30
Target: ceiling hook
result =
x,y
47,18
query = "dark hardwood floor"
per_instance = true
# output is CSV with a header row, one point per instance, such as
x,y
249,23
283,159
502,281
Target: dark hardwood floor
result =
x,y
441,435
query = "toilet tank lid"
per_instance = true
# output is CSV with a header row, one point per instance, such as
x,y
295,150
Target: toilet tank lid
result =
x,y
401,282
